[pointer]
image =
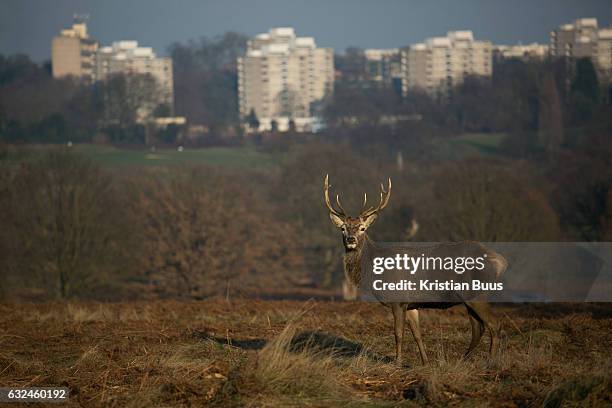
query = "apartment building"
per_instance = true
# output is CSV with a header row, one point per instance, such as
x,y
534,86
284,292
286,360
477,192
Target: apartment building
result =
x,y
533,51
575,40
383,65
439,64
282,77
73,52
126,57
603,54
584,38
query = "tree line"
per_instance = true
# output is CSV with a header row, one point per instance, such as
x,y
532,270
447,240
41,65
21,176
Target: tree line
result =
x,y
37,108
74,229
538,102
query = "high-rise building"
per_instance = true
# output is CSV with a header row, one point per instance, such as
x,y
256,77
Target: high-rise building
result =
x,y
533,51
439,64
583,38
73,52
126,57
603,59
383,65
281,78
574,40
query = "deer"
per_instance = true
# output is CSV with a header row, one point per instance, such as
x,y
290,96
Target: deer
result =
x,y
355,239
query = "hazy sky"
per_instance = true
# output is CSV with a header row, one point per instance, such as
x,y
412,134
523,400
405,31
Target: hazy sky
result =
x,y
27,26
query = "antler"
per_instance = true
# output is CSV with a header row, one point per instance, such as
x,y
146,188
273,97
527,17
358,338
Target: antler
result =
x,y
332,210
384,200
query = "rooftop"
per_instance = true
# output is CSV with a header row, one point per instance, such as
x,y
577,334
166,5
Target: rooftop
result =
x,y
278,40
461,38
122,50
377,54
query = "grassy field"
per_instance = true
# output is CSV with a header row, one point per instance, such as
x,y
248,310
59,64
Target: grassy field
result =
x,y
113,157
466,145
215,156
287,353
469,145
486,143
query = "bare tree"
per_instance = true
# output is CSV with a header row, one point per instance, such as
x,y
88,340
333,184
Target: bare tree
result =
x,y
61,229
128,98
483,200
204,230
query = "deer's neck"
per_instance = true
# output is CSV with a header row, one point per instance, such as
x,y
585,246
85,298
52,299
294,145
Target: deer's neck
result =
x,y
352,262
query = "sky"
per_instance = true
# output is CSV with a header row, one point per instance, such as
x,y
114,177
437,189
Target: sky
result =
x,y
27,26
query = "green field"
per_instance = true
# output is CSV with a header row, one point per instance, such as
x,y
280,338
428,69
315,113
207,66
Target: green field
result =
x,y
216,156
486,142
473,144
245,157
109,156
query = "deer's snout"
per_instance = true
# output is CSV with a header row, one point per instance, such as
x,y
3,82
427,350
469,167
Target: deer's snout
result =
x,y
351,241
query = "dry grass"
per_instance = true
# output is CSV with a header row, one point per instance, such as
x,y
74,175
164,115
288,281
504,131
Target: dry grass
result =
x,y
255,353
308,375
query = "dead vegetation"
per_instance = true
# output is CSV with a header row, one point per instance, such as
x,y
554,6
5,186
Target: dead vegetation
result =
x,y
256,353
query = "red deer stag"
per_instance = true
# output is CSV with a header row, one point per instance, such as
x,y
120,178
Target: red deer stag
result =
x,y
354,238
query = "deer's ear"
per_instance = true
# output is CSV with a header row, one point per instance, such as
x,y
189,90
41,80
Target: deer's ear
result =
x,y
338,222
369,220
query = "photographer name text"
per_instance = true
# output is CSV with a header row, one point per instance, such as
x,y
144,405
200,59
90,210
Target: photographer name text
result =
x,y
436,285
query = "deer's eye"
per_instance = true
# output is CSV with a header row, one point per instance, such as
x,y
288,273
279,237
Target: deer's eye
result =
x,y
343,228
361,229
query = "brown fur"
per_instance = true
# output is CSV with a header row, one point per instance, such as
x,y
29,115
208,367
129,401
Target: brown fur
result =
x,y
354,238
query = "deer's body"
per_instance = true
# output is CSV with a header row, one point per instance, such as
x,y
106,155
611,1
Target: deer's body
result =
x,y
355,239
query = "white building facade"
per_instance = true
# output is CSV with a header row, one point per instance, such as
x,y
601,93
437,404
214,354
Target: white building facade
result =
x,y
439,64
282,77
126,57
533,51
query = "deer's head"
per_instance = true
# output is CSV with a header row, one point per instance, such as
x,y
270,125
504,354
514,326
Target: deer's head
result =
x,y
354,228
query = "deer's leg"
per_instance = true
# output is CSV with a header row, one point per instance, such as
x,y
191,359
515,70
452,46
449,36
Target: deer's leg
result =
x,y
477,330
483,313
413,321
399,314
